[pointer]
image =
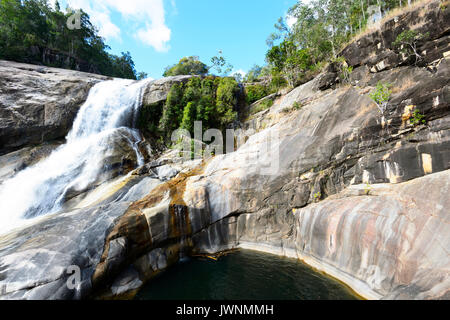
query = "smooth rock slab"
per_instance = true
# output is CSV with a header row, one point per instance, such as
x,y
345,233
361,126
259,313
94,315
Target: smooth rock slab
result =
x,y
34,261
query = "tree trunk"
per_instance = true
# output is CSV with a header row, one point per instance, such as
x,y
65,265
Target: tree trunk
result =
x,y
363,12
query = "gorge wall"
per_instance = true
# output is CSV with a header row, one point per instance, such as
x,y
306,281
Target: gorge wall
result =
x,y
360,197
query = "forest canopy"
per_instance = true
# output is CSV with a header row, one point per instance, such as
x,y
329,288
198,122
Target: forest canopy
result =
x,y
32,31
317,31
187,66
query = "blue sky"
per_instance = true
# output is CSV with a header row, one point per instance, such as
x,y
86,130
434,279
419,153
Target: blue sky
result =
x,y
158,33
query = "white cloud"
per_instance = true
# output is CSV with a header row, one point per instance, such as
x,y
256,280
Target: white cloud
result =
x,y
107,29
155,35
148,16
234,73
174,7
240,71
290,21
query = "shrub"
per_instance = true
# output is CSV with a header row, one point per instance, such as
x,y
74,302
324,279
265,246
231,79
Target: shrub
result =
x,y
407,41
344,70
187,66
226,100
417,118
264,105
149,116
173,110
255,93
381,96
210,100
317,196
295,107
367,189
188,117
278,82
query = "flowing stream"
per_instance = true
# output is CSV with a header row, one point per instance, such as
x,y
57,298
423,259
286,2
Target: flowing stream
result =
x,y
109,113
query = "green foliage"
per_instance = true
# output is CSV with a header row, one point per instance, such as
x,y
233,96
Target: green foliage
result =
x,y
295,107
407,37
187,66
193,90
407,41
226,100
220,64
321,28
264,105
123,66
256,92
172,111
381,96
31,28
142,75
367,189
290,61
417,118
278,81
253,74
344,70
317,196
188,117
149,117
238,77
210,100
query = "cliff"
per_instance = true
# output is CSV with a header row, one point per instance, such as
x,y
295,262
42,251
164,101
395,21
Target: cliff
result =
x,y
39,104
357,195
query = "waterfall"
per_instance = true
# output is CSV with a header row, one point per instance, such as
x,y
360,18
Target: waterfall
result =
x,y
109,113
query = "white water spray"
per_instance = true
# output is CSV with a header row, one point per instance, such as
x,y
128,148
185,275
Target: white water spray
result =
x,y
107,114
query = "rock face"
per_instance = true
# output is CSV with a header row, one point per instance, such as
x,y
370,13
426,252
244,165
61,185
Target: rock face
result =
x,y
39,104
376,50
13,162
158,90
390,243
332,183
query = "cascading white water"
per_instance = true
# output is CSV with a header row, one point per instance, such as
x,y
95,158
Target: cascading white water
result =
x,y
109,112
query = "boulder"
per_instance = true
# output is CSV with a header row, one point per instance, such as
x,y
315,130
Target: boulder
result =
x,y
375,48
39,104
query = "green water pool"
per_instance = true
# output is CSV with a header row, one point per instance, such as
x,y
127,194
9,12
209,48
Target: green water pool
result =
x,y
244,275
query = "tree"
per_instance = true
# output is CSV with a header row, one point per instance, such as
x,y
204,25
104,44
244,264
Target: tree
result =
x,y
407,41
381,96
142,76
219,63
172,111
227,100
193,90
189,117
256,92
320,30
124,66
238,77
253,74
187,66
29,29
288,60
